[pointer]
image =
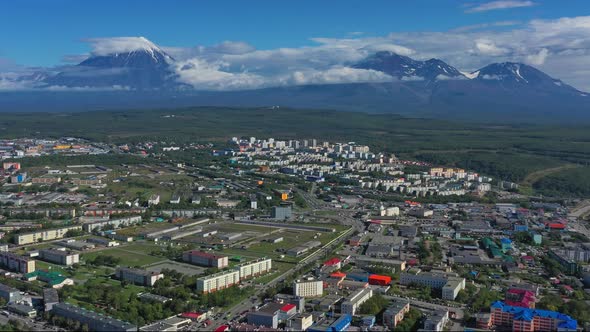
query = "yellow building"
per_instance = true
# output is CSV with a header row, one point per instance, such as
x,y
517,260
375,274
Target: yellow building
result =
x,y
44,235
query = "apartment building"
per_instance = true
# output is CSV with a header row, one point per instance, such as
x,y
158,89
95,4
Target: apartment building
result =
x,y
57,256
354,301
254,268
395,313
16,263
308,288
138,276
507,317
94,321
205,259
218,281
114,223
44,235
436,321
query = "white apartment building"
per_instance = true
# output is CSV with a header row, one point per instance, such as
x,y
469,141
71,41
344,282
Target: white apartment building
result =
x,y
308,288
254,268
354,301
218,281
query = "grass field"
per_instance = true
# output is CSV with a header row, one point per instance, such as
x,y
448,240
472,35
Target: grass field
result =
x,y
128,257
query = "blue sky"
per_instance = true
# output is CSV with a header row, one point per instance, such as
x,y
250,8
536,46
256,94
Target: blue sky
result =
x,y
248,44
41,32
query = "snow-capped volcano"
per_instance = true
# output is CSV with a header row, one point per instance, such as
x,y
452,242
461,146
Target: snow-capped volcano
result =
x,y
523,76
406,68
128,62
127,52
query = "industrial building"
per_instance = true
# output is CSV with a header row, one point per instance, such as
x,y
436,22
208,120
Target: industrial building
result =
x,y
138,276
57,256
354,301
281,212
205,259
44,235
94,321
308,288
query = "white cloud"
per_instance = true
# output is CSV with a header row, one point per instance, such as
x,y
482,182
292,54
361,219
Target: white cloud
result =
x,y
105,46
539,58
496,5
560,47
488,47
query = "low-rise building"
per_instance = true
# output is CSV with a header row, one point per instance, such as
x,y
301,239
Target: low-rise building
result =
x,y
50,298
450,284
103,242
57,256
138,276
354,301
300,322
112,223
52,278
173,323
23,310
10,294
267,316
205,259
94,321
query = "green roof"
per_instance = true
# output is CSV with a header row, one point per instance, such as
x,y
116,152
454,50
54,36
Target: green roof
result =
x,y
52,278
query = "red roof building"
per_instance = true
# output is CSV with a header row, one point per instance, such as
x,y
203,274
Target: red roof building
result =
x,y
376,279
288,307
520,298
338,275
555,225
222,328
332,262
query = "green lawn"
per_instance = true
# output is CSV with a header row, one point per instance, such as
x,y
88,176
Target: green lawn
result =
x,y
128,258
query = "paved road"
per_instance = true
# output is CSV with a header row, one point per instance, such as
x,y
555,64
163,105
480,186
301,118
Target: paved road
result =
x,y
581,210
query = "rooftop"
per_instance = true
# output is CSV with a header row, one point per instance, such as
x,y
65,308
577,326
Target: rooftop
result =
x,y
529,314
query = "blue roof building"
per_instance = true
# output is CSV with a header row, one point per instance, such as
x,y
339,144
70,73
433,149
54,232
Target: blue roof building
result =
x,y
525,319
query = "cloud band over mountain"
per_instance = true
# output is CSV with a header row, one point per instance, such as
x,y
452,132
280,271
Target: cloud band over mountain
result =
x,y
560,47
